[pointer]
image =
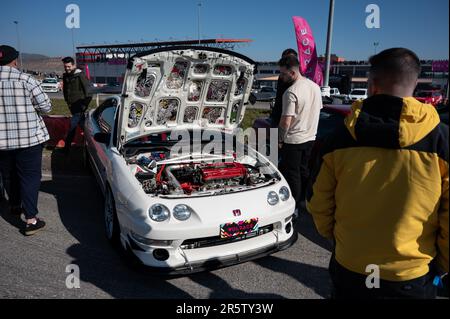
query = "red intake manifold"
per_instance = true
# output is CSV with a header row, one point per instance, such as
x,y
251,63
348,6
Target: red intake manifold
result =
x,y
217,171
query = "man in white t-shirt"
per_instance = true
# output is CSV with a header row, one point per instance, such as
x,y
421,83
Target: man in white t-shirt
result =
x,y
297,130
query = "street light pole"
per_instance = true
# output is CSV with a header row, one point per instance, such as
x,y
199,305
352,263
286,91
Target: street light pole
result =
x,y
198,21
375,44
328,49
18,44
73,44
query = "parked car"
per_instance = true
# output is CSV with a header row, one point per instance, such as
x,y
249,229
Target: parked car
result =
x,y
194,210
266,93
337,97
110,88
429,97
51,85
329,92
334,92
357,94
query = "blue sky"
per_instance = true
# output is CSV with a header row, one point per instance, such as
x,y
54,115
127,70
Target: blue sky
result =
x,y
421,25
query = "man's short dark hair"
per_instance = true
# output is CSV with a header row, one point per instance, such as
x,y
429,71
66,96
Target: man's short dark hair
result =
x,y
68,59
396,65
289,52
289,62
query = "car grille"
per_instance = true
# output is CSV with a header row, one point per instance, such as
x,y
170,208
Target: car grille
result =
x,y
217,240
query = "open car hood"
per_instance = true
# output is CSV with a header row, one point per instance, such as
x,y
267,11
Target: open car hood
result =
x,y
184,88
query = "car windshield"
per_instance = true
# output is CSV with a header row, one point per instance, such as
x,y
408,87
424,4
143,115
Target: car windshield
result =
x,y
358,92
53,81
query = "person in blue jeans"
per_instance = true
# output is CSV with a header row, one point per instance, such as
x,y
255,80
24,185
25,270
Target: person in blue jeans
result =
x,y
77,94
22,137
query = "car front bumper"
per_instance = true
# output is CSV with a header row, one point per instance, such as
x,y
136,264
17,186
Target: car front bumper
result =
x,y
50,90
240,256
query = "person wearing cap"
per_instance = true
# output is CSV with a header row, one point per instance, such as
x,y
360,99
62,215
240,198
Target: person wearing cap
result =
x,y
22,137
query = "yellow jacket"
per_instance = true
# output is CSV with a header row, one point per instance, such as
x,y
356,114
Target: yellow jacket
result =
x,y
380,188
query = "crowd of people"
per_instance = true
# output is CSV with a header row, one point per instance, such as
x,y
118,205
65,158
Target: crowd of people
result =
x,y
379,190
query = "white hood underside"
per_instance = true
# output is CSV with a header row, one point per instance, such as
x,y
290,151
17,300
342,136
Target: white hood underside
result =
x,y
184,88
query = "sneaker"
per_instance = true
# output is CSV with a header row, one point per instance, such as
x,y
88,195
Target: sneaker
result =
x,y
60,144
31,229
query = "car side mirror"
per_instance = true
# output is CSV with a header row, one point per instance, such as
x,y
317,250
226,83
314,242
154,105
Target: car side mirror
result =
x,y
252,99
103,138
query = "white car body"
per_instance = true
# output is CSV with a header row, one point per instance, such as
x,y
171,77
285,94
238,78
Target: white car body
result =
x,y
126,139
357,94
50,85
334,91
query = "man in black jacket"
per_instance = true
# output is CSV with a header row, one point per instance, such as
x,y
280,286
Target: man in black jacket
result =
x,y
76,89
282,86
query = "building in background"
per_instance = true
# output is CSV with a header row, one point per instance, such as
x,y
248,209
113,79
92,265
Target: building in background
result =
x,y
348,75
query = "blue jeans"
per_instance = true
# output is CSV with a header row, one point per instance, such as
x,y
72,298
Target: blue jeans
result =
x,y
77,119
21,171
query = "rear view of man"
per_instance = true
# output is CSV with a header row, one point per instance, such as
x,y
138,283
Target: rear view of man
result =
x,y
76,89
380,189
282,86
22,134
297,130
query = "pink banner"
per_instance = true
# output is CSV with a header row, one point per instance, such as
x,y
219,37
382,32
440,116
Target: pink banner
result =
x,y
307,52
440,66
87,72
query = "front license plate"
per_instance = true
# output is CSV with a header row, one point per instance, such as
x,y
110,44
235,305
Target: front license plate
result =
x,y
235,229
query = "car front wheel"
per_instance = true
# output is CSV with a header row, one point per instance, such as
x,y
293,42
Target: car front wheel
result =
x,y
112,228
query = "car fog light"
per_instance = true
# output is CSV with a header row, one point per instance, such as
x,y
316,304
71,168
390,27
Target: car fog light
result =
x,y
288,228
161,254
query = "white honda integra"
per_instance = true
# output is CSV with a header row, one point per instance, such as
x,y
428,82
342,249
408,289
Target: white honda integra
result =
x,y
182,193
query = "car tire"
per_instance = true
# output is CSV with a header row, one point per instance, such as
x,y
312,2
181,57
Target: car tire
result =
x,y
111,222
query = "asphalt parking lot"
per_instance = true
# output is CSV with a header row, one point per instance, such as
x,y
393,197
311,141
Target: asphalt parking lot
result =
x,y
71,204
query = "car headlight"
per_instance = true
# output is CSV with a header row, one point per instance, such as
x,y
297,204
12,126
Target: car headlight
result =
x,y
284,193
158,213
272,198
182,212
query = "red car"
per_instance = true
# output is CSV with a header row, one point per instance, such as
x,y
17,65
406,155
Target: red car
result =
x,y
429,97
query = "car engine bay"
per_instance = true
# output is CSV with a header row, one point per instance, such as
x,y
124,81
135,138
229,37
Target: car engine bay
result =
x,y
163,174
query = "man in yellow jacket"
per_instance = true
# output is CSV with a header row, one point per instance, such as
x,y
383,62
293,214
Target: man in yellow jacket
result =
x,y
380,189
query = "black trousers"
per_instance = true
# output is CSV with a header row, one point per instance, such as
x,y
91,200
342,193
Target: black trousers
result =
x,y
351,285
294,166
21,169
